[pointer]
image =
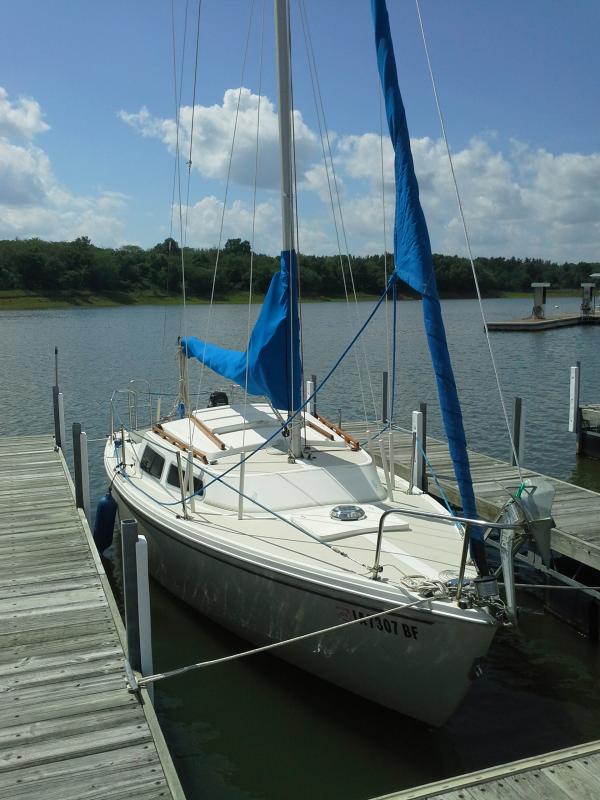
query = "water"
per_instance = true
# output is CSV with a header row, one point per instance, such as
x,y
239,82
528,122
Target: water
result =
x,y
260,728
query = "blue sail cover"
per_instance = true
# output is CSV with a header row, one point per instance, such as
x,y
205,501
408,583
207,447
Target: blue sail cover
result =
x,y
273,354
413,259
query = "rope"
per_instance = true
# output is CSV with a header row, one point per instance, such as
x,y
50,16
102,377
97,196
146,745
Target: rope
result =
x,y
149,679
581,588
467,240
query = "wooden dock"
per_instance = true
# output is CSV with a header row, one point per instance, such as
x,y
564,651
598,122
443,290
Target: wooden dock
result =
x,y
544,323
576,511
570,774
70,727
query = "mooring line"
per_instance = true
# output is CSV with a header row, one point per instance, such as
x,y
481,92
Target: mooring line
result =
x,y
149,679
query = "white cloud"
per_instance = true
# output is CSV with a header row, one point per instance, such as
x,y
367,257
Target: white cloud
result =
x,y
213,133
204,223
524,203
33,203
22,118
519,201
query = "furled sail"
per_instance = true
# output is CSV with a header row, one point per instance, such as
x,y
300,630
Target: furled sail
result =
x,y
272,359
413,259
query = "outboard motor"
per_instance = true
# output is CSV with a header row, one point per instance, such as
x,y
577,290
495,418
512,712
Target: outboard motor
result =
x,y
104,524
218,399
532,507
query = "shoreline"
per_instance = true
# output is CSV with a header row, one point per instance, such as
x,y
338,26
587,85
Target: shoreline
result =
x,y
31,301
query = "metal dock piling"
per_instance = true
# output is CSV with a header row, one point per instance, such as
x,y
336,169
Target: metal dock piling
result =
x,y
71,728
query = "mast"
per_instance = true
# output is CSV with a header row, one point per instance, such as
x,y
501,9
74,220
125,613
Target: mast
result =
x,y
284,86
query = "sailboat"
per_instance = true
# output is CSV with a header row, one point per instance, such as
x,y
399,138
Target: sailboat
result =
x,y
274,522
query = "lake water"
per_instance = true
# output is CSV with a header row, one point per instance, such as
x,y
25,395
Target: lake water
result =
x,y
260,728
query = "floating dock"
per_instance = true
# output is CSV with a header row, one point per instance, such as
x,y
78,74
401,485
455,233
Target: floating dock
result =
x,y
544,324
538,321
576,512
570,774
588,433
70,727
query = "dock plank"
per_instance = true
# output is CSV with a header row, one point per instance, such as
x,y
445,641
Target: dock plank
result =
x,y
569,774
71,729
576,511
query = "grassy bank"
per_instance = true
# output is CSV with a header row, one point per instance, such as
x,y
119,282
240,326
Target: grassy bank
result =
x,y
31,301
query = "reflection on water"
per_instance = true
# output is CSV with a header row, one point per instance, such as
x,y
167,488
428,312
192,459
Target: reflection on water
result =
x,y
260,728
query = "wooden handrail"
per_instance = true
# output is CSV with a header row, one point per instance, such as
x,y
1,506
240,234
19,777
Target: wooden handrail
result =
x,y
320,430
207,432
350,440
169,437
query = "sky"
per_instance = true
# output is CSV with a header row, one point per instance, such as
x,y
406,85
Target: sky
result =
x,y
88,103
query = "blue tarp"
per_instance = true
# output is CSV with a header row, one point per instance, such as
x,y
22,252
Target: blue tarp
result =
x,y
273,354
413,259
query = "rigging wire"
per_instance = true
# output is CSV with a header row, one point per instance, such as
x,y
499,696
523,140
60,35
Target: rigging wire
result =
x,y
251,277
467,240
182,228
383,210
121,469
226,194
149,679
318,388
297,235
177,98
329,164
294,246
189,163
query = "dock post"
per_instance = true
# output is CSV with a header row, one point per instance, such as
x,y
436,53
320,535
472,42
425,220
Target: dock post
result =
x,y
144,616
85,477
423,451
310,388
129,538
518,432
574,410
313,409
81,465
384,398
57,440
417,460
59,417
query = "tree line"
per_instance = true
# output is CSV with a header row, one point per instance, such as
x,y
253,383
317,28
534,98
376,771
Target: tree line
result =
x,y
81,267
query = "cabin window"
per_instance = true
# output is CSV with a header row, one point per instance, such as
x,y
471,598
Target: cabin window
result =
x,y
152,462
173,475
173,479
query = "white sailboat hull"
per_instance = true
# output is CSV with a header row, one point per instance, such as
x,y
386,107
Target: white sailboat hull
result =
x,y
419,663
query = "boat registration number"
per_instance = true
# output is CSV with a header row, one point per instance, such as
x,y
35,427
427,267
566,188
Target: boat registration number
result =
x,y
383,624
